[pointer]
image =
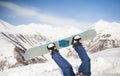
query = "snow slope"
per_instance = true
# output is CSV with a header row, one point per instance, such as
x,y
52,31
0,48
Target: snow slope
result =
x,y
103,63
28,36
106,62
99,60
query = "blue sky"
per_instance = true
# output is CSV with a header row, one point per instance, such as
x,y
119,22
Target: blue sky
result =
x,y
59,12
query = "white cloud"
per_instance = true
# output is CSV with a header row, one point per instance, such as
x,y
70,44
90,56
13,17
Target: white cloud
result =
x,y
34,14
18,9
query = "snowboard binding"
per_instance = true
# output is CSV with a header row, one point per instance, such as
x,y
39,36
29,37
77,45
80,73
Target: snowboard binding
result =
x,y
52,48
76,41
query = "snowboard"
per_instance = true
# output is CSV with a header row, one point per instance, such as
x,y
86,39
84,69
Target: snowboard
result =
x,y
42,49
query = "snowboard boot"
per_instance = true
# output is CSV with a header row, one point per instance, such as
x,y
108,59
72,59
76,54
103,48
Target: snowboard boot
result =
x,y
76,41
52,48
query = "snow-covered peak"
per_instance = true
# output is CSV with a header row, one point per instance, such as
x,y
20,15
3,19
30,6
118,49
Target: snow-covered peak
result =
x,y
4,25
101,21
49,30
44,29
106,27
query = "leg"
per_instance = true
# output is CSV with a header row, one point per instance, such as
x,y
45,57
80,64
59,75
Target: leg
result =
x,y
85,68
63,64
81,68
85,65
82,53
60,61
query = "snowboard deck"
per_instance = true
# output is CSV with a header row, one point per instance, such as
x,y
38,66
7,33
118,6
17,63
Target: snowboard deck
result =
x,y
42,49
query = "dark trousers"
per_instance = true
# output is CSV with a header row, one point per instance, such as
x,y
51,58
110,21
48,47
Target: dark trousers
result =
x,y
63,64
85,65
66,66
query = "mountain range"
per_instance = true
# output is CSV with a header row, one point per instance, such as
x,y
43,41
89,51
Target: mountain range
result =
x,y
15,40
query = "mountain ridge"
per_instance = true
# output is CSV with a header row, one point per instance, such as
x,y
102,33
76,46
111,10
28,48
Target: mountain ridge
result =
x,y
22,37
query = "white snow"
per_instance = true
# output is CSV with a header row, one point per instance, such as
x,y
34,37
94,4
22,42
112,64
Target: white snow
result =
x,y
4,25
7,52
106,62
44,29
52,33
105,27
103,63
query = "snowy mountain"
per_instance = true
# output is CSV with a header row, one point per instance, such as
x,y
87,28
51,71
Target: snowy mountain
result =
x,y
103,63
108,36
105,27
4,25
15,40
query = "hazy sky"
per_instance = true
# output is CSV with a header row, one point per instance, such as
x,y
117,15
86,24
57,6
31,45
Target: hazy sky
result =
x,y
59,12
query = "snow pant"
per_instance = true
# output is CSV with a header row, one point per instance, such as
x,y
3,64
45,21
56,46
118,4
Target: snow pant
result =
x,y
63,64
84,67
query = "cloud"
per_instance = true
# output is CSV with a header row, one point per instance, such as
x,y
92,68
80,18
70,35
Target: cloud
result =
x,y
18,9
35,15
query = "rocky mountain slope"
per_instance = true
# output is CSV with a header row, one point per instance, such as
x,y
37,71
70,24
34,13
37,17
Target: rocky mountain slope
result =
x,y
108,36
15,40
16,43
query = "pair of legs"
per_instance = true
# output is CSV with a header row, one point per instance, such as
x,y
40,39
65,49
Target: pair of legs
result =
x,y
66,67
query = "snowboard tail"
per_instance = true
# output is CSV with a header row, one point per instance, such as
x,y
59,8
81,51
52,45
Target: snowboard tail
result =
x,y
42,49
